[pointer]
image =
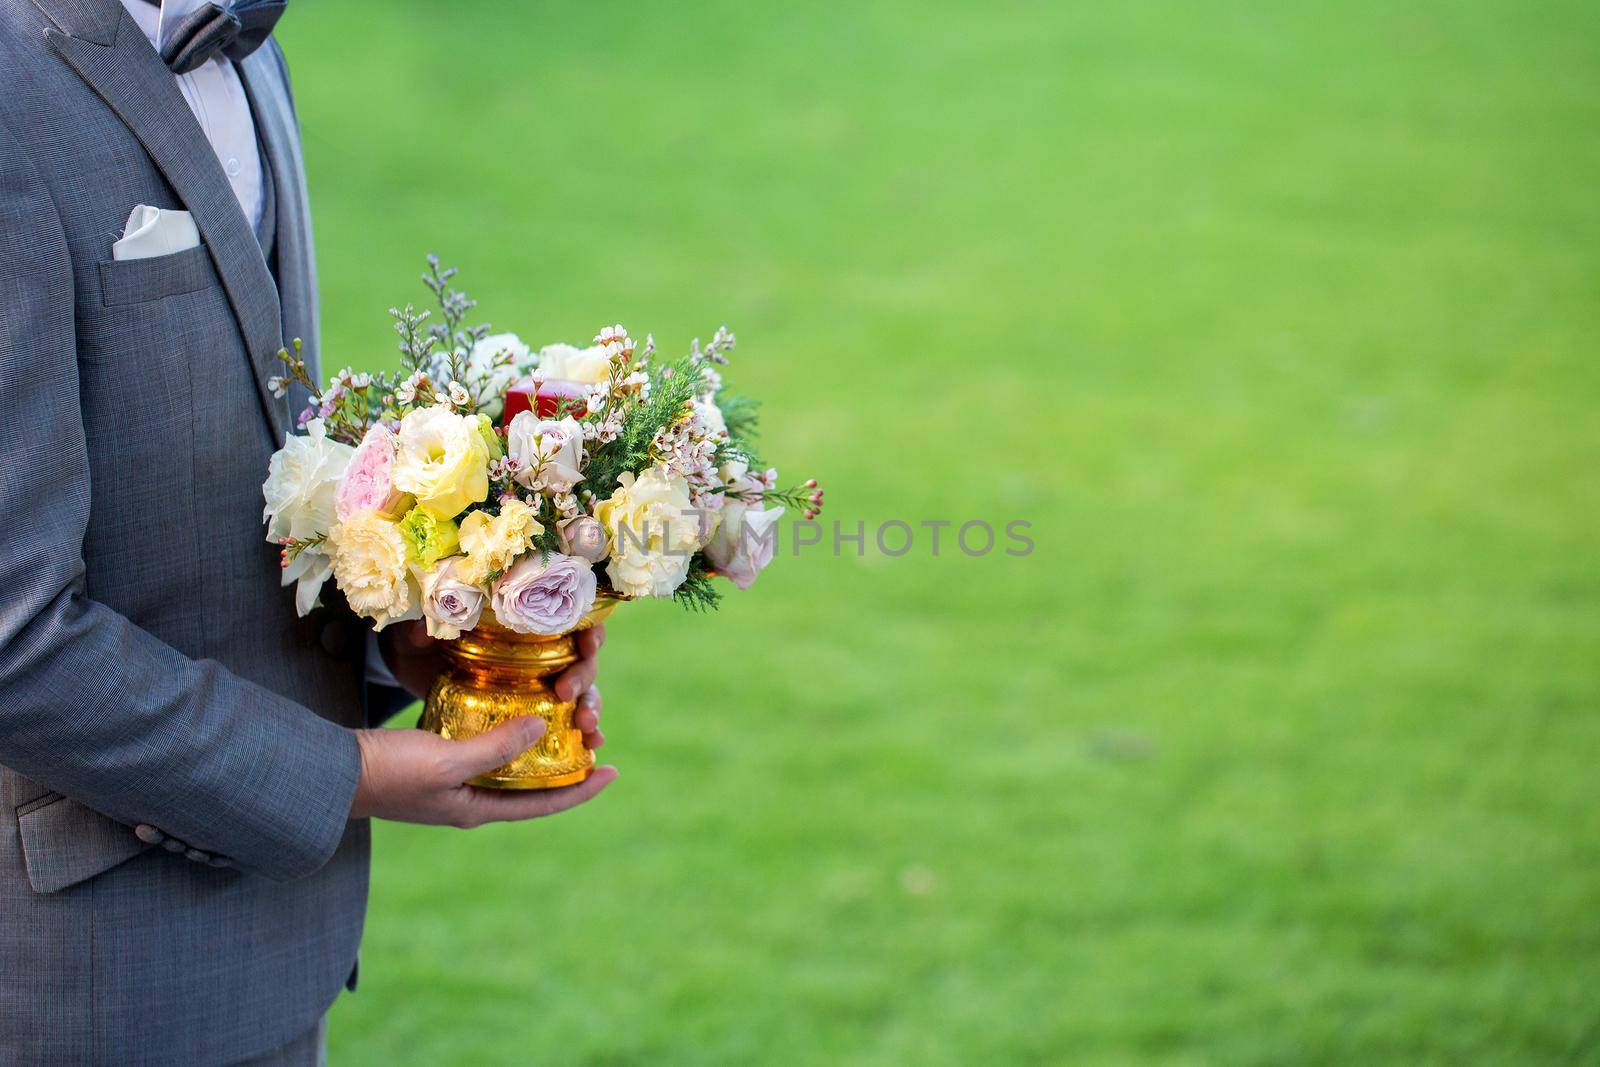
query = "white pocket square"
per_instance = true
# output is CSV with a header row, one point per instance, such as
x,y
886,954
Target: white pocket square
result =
x,y
155,231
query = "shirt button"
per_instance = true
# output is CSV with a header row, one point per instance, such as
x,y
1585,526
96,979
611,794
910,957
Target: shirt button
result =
x,y
234,166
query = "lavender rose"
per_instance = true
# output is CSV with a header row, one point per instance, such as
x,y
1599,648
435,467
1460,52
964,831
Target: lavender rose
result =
x,y
450,605
540,597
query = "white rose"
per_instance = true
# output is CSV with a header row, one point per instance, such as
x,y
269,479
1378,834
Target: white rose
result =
x,y
302,492
709,415
449,604
302,486
442,459
549,454
568,363
369,563
654,530
489,379
744,542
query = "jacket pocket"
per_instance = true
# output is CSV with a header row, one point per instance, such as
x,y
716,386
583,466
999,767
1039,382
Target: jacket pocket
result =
x,y
64,843
134,281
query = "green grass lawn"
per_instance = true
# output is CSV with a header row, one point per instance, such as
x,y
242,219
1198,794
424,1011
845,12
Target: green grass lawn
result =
x,y
1275,320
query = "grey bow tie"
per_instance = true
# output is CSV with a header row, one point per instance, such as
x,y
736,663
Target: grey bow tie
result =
x,y
230,29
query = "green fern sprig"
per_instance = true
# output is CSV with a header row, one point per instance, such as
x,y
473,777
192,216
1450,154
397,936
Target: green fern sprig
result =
x,y
697,593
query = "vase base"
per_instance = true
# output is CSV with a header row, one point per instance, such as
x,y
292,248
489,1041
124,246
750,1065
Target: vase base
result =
x,y
490,781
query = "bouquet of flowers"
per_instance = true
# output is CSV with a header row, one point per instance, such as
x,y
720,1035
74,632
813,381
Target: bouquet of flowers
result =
x,y
488,488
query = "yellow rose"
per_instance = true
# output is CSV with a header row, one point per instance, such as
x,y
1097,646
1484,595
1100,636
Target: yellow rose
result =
x,y
442,460
369,563
492,543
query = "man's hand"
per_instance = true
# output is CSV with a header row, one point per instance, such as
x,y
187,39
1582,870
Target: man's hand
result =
x,y
416,776
415,660
577,683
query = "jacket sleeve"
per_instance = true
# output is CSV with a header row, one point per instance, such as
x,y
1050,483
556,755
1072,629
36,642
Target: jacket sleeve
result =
x,y
91,705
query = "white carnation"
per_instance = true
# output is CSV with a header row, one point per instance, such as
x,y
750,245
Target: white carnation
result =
x,y
654,530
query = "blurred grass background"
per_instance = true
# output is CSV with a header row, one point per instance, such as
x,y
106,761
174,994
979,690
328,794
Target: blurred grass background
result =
x,y
1276,321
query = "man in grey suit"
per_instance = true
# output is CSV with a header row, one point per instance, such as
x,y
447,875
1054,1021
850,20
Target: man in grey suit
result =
x,y
186,767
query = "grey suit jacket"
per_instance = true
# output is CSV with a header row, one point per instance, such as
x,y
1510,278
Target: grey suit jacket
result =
x,y
151,668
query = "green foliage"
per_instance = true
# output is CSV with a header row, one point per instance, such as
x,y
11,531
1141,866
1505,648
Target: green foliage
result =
x,y
453,335
741,414
698,591
549,539
416,346
672,385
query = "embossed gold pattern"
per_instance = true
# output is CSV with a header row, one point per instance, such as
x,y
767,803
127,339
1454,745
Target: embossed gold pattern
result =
x,y
493,674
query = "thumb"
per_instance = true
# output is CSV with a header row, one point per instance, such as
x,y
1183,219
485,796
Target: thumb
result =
x,y
496,747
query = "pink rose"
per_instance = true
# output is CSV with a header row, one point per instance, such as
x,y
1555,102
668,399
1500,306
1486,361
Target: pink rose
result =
x,y
744,542
586,537
544,597
549,454
450,605
368,483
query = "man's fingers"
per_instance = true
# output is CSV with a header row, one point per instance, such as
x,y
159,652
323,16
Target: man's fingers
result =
x,y
492,748
587,717
576,678
494,805
580,676
417,636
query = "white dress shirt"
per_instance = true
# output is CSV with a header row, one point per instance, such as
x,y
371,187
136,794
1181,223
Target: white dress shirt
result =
x,y
215,94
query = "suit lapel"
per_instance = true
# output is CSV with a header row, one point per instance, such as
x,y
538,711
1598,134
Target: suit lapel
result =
x,y
268,91
107,50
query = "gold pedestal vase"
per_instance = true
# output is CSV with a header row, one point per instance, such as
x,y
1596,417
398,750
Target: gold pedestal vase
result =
x,y
493,674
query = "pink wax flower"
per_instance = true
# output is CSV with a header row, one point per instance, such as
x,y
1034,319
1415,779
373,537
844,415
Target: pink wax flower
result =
x,y
368,483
